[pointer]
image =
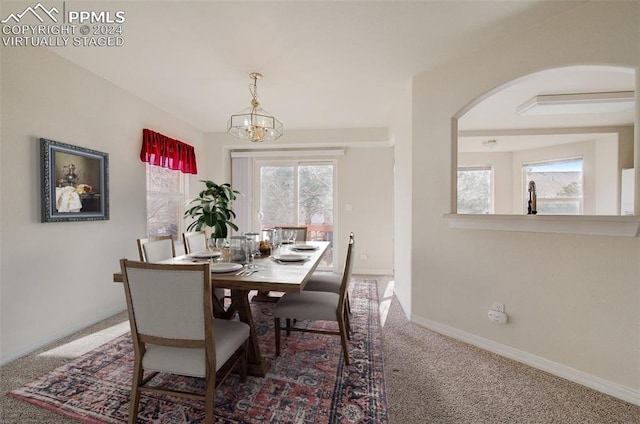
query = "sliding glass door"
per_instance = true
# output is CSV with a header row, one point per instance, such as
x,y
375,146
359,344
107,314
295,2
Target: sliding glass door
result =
x,y
296,193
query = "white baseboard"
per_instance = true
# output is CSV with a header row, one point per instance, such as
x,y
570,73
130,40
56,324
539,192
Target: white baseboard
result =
x,y
365,271
596,383
67,332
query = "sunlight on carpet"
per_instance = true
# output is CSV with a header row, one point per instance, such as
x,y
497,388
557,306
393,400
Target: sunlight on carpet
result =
x,y
385,302
85,344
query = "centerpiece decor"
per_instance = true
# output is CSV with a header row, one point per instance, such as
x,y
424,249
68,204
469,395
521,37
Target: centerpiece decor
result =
x,y
213,209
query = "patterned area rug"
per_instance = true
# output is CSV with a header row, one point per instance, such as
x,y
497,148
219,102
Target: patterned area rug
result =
x,y
308,383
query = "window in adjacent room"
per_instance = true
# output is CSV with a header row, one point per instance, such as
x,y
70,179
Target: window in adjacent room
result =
x,y
475,189
166,189
558,186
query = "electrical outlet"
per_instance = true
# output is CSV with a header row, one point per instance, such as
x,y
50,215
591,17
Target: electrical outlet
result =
x,y
498,317
498,307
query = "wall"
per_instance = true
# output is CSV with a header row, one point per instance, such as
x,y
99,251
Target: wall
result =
x,y
55,278
573,300
368,193
401,132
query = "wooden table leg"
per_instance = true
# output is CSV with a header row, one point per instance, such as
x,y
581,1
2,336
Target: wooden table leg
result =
x,y
257,365
263,296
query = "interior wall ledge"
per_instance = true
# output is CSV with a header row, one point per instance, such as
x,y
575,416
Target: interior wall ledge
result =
x,y
595,225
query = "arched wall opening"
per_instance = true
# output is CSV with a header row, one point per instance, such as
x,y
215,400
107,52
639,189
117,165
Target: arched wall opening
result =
x,y
550,116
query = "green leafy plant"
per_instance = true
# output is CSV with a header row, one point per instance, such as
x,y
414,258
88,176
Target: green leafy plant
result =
x,y
213,209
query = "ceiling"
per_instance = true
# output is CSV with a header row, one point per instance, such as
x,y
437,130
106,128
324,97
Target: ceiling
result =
x,y
326,64
496,118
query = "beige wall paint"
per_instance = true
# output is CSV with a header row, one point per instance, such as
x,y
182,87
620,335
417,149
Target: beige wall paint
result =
x,y
55,278
573,301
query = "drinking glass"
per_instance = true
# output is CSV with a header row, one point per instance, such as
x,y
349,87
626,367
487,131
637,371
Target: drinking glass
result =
x,y
249,251
211,244
220,245
290,236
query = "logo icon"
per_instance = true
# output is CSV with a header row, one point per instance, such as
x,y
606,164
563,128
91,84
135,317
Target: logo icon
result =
x,y
34,11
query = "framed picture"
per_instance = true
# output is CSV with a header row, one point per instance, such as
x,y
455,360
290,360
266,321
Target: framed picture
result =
x,y
75,183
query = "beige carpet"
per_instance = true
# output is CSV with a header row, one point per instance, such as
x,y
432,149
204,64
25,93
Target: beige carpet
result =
x,y
430,379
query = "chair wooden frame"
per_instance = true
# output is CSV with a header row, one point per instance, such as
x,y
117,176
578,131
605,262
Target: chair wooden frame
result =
x,y
331,284
140,341
341,313
143,241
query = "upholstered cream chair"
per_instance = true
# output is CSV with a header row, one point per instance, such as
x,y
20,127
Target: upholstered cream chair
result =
x,y
174,330
156,249
195,241
317,306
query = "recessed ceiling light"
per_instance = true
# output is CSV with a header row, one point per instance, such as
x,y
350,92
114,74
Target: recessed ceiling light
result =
x,y
550,104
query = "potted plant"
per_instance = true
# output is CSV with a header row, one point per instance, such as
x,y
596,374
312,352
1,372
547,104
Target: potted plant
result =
x,y
213,209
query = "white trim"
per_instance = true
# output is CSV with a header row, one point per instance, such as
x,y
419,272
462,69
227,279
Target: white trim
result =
x,y
371,271
601,225
286,153
626,394
305,146
571,103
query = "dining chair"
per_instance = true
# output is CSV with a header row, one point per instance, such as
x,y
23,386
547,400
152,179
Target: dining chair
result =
x,y
195,241
174,331
301,235
156,249
317,306
328,281
301,232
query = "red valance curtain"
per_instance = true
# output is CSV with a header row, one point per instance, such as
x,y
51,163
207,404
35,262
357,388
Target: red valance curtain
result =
x,y
160,150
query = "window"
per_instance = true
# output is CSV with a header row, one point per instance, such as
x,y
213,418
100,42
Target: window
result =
x,y
166,190
558,186
475,189
292,193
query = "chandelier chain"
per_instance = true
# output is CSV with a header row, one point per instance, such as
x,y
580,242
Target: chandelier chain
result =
x,y
253,89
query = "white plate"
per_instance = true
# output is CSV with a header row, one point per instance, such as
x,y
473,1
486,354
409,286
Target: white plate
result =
x,y
304,247
204,255
290,258
225,267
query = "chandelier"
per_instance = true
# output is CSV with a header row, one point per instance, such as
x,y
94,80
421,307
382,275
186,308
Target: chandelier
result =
x,y
254,123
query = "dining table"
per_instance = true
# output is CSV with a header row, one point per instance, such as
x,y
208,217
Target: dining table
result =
x,y
287,269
